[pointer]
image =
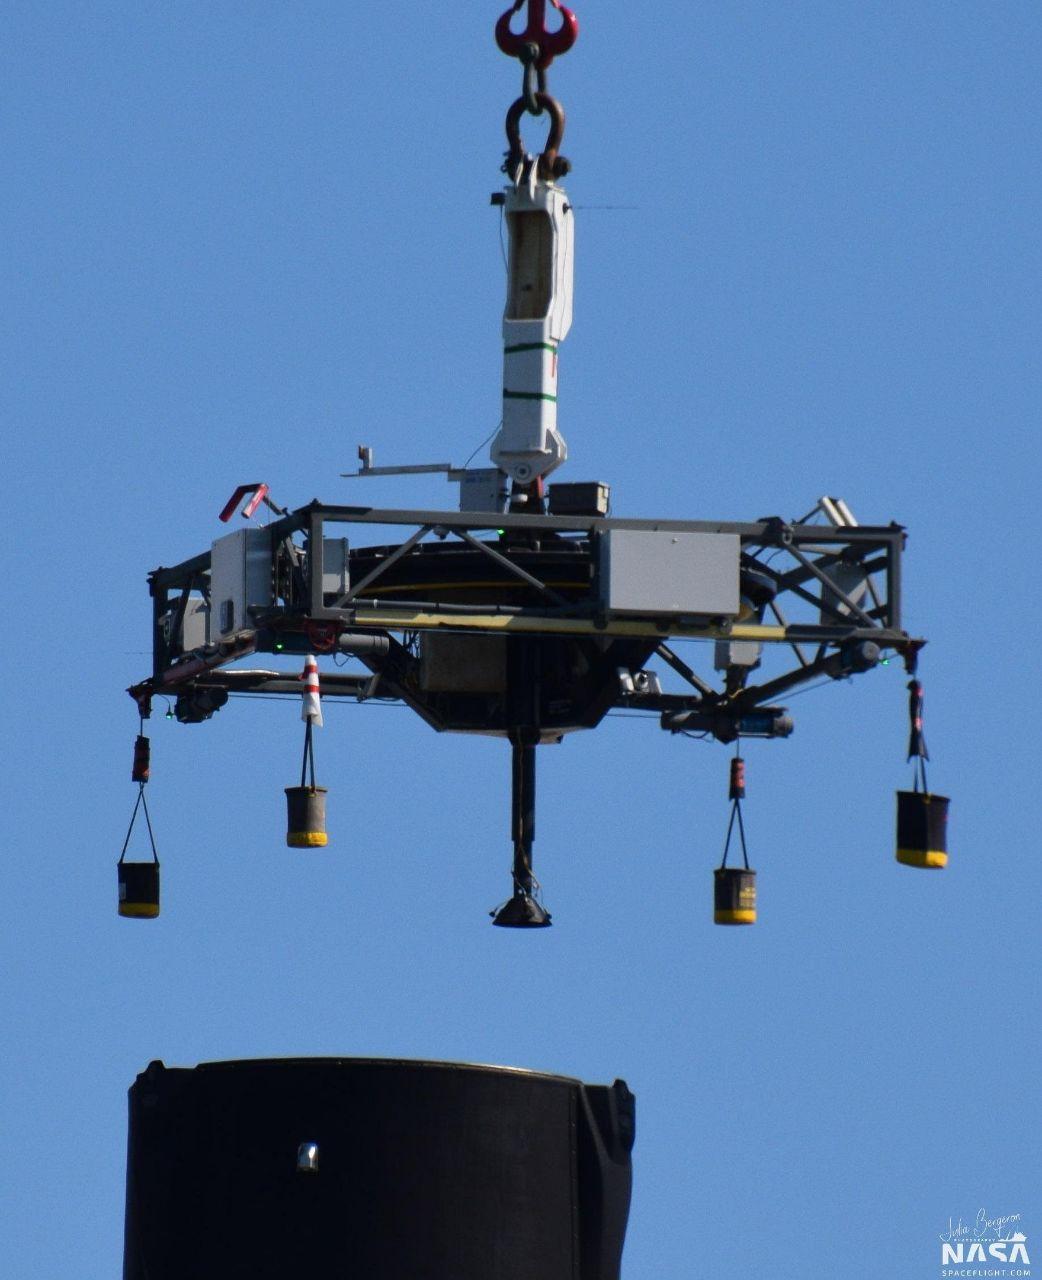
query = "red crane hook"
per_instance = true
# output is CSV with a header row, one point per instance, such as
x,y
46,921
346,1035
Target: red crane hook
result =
x,y
550,43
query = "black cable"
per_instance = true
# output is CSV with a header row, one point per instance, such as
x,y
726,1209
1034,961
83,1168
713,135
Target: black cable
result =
x,y
727,840
148,823
141,802
741,832
281,697
126,842
920,775
482,444
309,757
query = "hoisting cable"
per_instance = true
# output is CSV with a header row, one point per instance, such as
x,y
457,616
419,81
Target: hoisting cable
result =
x,y
736,794
734,888
139,774
306,805
922,816
916,740
311,714
141,803
309,758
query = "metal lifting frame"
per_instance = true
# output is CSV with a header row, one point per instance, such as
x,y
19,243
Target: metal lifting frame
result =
x,y
794,557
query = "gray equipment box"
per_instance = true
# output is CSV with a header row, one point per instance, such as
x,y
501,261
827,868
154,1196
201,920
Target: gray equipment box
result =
x,y
662,573
585,498
240,578
335,562
483,489
737,653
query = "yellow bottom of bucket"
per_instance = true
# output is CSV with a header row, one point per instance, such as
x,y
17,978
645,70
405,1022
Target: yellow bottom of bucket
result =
x,y
734,917
139,910
306,839
935,858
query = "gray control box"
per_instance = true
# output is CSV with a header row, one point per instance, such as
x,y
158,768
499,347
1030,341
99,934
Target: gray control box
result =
x,y
737,653
585,498
483,489
240,578
336,578
659,573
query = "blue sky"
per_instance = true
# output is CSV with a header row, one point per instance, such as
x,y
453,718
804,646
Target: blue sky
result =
x,y
239,240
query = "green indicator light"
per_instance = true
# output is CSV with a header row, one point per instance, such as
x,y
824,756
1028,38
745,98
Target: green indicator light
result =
x,y
278,646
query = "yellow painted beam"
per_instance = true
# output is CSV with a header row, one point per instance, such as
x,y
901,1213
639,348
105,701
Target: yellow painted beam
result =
x,y
505,623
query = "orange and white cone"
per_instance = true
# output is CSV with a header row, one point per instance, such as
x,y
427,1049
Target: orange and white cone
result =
x,y
311,708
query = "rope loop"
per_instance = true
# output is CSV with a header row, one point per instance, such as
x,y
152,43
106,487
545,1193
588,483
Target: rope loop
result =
x,y
736,794
309,757
140,803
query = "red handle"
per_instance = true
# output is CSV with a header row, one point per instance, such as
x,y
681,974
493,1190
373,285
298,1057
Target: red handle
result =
x,y
259,491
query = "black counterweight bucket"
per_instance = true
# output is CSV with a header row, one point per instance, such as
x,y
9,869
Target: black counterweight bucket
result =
x,y
734,898
138,890
387,1170
922,829
306,817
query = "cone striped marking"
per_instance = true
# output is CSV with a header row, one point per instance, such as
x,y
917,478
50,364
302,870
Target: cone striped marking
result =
x,y
311,708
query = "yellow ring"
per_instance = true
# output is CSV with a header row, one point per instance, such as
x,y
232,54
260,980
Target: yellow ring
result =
x,y
306,839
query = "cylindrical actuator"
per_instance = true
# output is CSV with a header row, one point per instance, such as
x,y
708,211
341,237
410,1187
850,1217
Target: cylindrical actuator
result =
x,y
536,320
346,1167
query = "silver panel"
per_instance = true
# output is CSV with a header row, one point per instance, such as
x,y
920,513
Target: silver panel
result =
x,y
736,653
335,577
483,489
195,631
660,573
240,577
852,580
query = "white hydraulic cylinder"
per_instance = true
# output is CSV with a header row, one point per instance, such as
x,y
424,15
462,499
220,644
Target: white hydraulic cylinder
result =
x,y
538,315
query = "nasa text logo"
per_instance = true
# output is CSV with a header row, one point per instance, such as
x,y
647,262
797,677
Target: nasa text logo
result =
x,y
988,1246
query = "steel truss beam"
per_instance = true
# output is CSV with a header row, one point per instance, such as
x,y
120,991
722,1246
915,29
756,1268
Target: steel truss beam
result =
x,y
810,551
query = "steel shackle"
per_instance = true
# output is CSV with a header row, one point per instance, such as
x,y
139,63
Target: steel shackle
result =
x,y
551,165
